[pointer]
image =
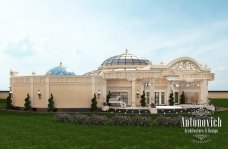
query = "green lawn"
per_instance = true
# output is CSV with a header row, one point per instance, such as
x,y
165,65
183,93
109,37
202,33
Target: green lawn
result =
x,y
39,130
2,103
220,102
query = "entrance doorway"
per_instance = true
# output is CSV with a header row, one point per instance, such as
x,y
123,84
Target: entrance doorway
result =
x,y
159,98
123,96
176,97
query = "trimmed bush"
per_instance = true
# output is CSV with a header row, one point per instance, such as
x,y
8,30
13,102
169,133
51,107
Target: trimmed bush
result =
x,y
94,103
141,121
121,120
80,118
98,120
182,98
176,121
9,102
51,103
168,121
143,100
63,117
171,99
27,105
108,97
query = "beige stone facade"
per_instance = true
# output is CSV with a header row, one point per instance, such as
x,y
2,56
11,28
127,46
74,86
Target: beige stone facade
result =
x,y
125,76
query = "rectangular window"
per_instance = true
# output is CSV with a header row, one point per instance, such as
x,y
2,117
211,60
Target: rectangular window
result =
x,y
162,97
156,97
176,97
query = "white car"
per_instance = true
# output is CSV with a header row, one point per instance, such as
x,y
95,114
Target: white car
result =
x,y
104,108
117,104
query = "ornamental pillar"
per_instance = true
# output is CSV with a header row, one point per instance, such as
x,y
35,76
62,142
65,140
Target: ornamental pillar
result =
x,y
133,93
47,89
93,86
151,92
104,90
203,92
31,94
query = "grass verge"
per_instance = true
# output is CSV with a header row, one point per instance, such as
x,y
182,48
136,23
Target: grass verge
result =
x,y
39,130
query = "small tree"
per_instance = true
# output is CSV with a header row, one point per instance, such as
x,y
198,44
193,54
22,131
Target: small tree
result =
x,y
143,99
182,98
27,103
171,99
108,97
51,106
9,102
94,103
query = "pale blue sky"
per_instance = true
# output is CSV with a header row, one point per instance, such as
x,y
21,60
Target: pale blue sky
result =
x,y
35,35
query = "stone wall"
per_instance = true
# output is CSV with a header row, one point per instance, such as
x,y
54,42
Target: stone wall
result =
x,y
4,94
218,94
68,92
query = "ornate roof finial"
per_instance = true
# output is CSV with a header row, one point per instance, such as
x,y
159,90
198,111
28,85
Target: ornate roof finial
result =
x,y
126,52
60,64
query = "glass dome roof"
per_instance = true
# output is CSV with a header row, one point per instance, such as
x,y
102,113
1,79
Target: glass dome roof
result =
x,y
126,59
60,71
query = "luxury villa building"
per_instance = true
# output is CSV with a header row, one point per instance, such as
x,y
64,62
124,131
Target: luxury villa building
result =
x,y
125,76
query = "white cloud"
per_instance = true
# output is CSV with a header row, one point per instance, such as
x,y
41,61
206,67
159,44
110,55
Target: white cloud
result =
x,y
20,49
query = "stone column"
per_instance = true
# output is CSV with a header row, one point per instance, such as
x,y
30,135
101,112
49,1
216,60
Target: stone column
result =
x,y
203,92
141,90
133,92
31,94
168,90
93,86
104,90
12,88
152,91
47,89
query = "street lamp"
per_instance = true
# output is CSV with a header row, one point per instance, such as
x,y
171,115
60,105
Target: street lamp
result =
x,y
172,78
11,92
39,94
98,94
145,85
137,93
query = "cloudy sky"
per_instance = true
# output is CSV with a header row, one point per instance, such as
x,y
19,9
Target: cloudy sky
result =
x,y
35,35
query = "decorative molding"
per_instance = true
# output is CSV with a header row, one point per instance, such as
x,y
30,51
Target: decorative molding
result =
x,y
185,65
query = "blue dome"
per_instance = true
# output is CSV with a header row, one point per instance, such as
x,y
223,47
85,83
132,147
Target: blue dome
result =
x,y
60,71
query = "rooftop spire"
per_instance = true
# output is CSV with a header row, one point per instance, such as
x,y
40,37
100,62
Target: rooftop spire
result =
x,y
60,64
126,52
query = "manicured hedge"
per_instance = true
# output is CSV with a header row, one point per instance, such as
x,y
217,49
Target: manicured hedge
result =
x,y
123,120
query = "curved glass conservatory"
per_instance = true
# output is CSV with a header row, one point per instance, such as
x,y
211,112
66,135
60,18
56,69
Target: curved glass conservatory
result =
x,y
126,59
